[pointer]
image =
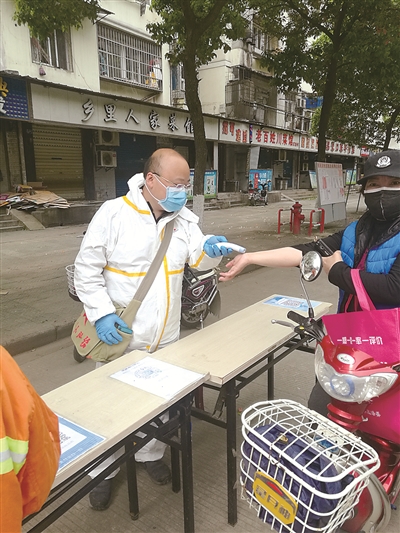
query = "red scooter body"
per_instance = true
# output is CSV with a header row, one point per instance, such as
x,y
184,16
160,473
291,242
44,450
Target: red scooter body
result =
x,y
376,420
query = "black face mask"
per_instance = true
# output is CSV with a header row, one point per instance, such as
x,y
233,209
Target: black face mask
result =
x,y
383,204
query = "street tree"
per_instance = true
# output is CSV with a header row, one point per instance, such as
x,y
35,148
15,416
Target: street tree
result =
x,y
195,29
321,41
44,16
367,108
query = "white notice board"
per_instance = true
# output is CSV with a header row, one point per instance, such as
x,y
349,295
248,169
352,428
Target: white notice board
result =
x,y
330,183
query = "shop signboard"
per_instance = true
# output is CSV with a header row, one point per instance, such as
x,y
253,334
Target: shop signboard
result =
x,y
210,184
260,177
313,178
124,115
331,195
351,176
13,98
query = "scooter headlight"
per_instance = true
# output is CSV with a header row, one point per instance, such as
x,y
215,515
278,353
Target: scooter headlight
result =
x,y
349,388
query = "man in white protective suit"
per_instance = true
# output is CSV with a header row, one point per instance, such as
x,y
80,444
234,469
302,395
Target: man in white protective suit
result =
x,y
117,250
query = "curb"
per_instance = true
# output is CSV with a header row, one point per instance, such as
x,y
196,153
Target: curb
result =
x,y
26,344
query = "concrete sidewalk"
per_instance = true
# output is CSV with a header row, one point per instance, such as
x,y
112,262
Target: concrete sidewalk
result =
x,y
35,308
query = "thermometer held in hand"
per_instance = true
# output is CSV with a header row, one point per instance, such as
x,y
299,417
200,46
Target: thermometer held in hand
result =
x,y
231,245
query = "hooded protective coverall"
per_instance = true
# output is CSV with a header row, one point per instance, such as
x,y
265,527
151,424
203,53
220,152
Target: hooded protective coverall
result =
x,y
29,447
116,252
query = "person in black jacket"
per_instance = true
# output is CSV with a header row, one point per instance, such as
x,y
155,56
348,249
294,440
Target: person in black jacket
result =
x,y
371,244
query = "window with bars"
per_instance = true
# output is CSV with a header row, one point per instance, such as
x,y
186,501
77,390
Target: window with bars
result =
x,y
130,59
54,51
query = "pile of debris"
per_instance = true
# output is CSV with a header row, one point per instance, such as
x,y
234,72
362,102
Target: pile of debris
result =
x,y
28,198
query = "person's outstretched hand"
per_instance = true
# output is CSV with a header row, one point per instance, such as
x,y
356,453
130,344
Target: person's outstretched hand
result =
x,y
215,251
234,267
328,262
106,330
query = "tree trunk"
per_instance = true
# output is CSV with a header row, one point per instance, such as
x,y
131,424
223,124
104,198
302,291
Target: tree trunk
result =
x,y
196,115
389,128
329,97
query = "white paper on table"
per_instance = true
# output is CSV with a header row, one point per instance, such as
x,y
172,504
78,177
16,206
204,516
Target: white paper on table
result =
x,y
157,377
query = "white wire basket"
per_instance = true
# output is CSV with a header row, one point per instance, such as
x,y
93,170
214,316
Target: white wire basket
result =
x,y
300,471
70,269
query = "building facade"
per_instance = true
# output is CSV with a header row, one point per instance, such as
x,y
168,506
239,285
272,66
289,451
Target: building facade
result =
x,y
82,110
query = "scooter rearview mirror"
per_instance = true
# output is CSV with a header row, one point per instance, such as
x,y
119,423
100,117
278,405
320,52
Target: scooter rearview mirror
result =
x,y
311,266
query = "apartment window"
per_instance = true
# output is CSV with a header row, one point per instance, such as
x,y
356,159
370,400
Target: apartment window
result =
x,y
129,59
260,39
54,51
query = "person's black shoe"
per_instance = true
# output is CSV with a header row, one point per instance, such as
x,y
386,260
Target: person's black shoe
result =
x,y
100,496
158,472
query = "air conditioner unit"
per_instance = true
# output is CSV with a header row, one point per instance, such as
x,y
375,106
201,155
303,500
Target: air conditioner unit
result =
x,y
107,158
282,155
107,138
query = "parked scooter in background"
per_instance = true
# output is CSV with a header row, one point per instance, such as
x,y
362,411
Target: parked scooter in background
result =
x,y
259,195
200,296
361,388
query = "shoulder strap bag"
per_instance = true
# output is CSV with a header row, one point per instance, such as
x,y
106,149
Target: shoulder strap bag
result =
x,y
84,335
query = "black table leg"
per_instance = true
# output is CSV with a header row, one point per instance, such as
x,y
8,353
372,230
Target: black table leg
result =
x,y
187,465
231,451
271,379
132,483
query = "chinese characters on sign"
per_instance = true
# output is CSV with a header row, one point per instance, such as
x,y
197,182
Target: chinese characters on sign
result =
x,y
359,340
234,132
154,118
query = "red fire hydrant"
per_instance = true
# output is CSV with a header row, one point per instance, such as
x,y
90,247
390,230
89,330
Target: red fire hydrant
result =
x,y
297,217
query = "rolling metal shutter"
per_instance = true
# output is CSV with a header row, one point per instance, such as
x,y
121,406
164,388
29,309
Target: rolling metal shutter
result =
x,y
58,159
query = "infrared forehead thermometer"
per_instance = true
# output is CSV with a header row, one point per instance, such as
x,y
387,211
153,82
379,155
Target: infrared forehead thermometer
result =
x,y
231,245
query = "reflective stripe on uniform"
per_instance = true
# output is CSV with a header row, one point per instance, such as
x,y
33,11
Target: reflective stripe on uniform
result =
x,y
12,454
135,207
196,264
123,273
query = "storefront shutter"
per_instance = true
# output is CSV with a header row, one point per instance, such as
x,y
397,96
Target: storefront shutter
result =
x,y
58,157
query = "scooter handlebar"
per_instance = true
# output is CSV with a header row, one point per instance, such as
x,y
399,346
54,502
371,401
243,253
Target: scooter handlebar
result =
x,y
299,319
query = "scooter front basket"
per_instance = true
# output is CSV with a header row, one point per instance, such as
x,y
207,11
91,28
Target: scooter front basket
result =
x,y
301,472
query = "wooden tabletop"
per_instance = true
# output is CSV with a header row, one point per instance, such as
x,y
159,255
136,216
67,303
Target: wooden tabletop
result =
x,y
108,407
229,346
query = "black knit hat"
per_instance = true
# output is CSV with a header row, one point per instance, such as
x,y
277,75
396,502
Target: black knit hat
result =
x,y
382,164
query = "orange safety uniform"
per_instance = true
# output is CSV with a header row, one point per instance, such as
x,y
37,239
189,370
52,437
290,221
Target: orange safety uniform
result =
x,y
29,447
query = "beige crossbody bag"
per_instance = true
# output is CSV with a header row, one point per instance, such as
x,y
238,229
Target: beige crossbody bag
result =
x,y
84,335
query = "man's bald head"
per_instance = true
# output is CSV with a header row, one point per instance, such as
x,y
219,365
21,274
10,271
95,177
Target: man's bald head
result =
x,y
161,158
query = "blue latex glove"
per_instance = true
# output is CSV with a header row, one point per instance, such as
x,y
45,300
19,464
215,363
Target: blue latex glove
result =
x,y
216,251
106,330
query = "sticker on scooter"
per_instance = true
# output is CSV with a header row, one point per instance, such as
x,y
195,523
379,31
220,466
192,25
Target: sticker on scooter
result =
x,y
346,359
278,501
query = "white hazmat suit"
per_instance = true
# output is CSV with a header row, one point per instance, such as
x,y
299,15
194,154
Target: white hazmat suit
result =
x,y
116,252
